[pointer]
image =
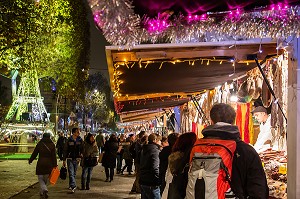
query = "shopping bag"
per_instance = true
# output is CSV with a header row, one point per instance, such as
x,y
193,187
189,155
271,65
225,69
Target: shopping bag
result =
x,y
63,173
100,157
54,175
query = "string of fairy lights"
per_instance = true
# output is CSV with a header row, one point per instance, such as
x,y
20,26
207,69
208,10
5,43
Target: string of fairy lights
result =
x,y
144,64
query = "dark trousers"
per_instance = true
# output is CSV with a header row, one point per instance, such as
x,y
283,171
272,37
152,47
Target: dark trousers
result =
x,y
128,164
119,162
109,172
136,185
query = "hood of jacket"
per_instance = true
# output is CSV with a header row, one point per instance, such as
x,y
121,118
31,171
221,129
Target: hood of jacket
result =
x,y
46,140
149,148
223,131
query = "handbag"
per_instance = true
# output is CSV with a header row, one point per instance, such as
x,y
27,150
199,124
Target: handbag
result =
x,y
90,161
54,175
63,173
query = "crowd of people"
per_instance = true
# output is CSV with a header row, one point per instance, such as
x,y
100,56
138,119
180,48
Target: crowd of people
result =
x,y
161,164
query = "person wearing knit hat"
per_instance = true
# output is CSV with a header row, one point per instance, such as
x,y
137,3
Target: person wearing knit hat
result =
x,y
265,136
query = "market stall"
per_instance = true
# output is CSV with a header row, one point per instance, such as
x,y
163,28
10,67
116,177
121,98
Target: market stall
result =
x,y
207,60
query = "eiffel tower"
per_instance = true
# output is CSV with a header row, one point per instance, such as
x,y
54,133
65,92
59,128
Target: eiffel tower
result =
x,y
28,94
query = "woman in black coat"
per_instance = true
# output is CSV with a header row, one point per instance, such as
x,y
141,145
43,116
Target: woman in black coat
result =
x,y
46,162
110,156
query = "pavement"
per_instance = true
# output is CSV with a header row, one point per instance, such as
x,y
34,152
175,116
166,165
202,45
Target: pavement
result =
x,y
18,181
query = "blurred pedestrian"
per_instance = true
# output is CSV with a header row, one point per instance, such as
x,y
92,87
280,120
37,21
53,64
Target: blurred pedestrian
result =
x,y
45,149
72,156
109,157
163,159
100,139
136,152
60,145
120,152
149,170
127,157
90,150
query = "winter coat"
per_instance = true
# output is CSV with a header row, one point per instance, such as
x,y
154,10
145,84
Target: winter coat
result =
x,y
110,154
138,148
248,178
149,165
89,150
73,148
60,146
163,161
126,153
100,140
178,167
47,156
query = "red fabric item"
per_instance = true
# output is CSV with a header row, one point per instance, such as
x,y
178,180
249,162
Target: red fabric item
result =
x,y
194,127
238,120
246,129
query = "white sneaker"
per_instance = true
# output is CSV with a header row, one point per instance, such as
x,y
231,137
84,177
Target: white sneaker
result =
x,y
73,190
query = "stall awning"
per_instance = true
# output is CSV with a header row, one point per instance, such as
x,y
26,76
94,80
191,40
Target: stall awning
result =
x,y
174,70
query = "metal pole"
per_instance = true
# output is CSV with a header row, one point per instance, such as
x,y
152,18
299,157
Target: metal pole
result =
x,y
200,111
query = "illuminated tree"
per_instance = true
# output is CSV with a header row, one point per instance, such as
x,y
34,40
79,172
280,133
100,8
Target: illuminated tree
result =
x,y
98,101
50,36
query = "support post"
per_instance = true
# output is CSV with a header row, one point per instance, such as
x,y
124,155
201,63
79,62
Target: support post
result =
x,y
293,130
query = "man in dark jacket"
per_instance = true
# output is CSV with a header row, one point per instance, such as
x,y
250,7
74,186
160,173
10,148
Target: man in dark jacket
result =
x,y
60,145
149,169
72,154
136,153
248,178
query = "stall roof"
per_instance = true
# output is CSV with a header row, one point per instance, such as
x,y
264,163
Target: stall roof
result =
x,y
160,70
144,115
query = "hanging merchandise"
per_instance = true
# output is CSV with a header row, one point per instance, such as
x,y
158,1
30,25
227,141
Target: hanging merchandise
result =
x,y
266,96
280,87
188,113
246,90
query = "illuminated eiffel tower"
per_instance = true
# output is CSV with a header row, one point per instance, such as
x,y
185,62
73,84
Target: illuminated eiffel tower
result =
x,y
28,102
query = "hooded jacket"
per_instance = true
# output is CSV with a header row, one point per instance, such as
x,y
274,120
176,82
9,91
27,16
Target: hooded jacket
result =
x,y
248,179
149,162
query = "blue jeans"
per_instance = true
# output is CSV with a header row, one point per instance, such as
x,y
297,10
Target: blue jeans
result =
x,y
150,192
72,168
86,176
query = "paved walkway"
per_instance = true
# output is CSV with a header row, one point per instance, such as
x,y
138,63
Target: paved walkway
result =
x,y
18,181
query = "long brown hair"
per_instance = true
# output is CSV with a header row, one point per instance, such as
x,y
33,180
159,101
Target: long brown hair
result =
x,y
185,141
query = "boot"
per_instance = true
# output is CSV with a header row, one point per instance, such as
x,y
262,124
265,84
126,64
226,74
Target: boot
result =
x,y
82,187
87,186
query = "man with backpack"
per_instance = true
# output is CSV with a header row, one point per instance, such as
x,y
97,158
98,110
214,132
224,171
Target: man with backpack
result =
x,y
222,165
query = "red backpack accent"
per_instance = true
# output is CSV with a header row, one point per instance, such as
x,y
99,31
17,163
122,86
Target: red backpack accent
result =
x,y
210,169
